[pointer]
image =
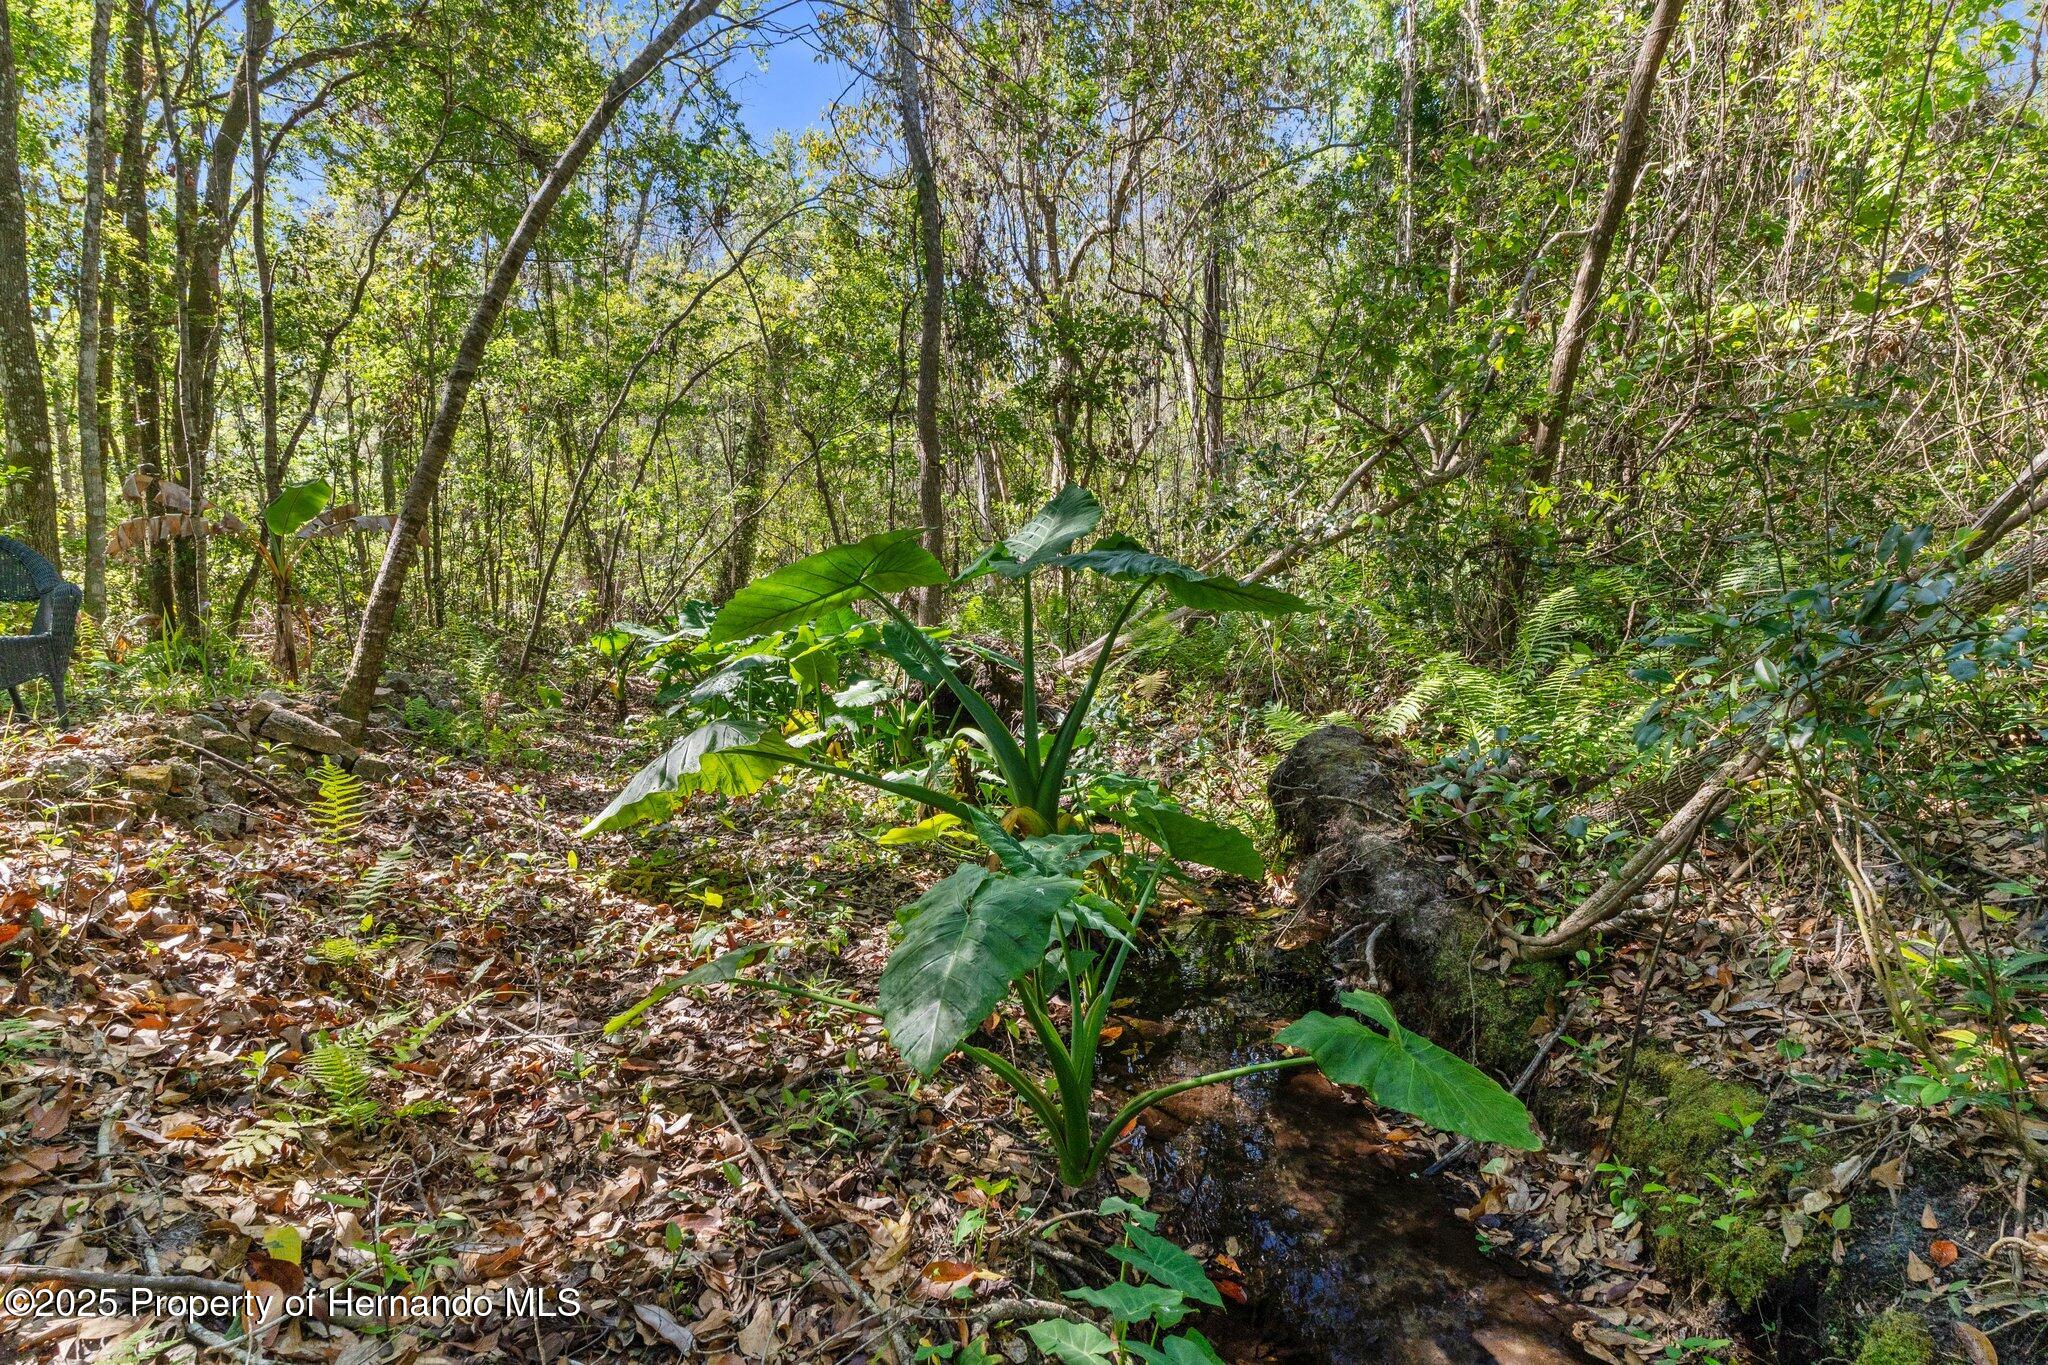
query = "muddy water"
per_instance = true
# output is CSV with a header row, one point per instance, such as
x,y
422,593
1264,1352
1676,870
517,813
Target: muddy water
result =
x,y
1348,1258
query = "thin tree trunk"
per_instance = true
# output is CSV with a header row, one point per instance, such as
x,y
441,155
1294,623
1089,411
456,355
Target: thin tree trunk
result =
x,y
1406,243
736,567
1212,341
145,367
285,647
932,288
92,471
373,641
1629,148
30,499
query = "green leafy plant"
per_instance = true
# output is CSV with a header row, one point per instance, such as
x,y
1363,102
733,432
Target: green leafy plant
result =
x,y
1053,920
340,803
1160,1285
734,754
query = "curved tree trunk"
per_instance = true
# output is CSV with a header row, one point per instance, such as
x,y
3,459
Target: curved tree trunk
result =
x,y
373,641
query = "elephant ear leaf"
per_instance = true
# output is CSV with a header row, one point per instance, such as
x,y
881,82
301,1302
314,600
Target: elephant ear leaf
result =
x,y
1405,1071
1123,559
965,941
1061,522
1187,839
723,756
887,562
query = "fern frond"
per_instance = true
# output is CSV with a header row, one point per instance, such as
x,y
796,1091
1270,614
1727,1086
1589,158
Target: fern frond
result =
x,y
1547,627
1284,725
375,886
341,1072
341,804
261,1142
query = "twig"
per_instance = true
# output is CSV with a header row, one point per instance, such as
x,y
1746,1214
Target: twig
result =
x,y
108,1279
1027,1310
818,1248
242,768
1521,1083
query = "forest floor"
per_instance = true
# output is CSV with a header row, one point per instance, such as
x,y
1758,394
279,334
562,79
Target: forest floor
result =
x,y
367,1046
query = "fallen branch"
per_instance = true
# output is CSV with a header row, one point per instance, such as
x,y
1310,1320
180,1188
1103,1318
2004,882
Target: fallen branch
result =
x,y
825,1257
1026,1310
110,1279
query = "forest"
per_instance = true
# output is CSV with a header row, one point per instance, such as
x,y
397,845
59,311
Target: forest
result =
x,y
1229,682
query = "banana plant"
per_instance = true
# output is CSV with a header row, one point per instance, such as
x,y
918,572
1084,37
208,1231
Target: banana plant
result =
x,y
1057,919
734,757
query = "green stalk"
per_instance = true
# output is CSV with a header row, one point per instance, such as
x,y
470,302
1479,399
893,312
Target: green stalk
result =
x,y
1032,1093
1030,681
1054,775
1099,1002
1077,1091
1100,1152
909,791
1018,771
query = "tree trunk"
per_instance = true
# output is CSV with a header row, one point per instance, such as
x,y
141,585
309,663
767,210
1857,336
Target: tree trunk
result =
x,y
1212,341
373,641
285,652
145,370
1629,147
1406,243
736,567
30,498
932,289
91,460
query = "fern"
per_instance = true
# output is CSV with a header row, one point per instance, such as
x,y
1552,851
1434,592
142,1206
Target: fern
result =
x,y
1284,725
474,657
341,805
341,1070
262,1141
337,952
375,886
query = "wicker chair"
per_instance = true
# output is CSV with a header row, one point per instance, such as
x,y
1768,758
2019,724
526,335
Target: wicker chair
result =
x,y
45,652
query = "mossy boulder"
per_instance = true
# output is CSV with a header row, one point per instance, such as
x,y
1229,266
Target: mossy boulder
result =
x,y
1679,1117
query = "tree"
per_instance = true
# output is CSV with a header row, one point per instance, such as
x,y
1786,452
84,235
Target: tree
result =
x,y
373,639
31,484
91,462
931,259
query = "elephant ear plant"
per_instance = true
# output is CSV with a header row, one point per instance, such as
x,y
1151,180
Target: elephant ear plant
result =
x,y
1048,925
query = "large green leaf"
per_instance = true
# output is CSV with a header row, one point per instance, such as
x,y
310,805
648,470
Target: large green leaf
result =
x,y
1406,1071
887,562
967,939
298,504
723,756
1164,1263
1123,559
1190,840
1069,516
1129,1303
1072,1343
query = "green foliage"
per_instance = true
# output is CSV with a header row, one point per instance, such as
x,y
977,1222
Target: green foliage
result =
x,y
1897,1336
341,802
1169,1284
298,504
373,889
1403,1071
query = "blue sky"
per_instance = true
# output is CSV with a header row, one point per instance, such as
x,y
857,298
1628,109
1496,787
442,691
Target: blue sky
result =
x,y
791,94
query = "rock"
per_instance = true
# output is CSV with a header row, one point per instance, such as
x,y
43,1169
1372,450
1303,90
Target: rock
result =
x,y
371,768
207,732
148,777
185,777
18,791
222,822
303,732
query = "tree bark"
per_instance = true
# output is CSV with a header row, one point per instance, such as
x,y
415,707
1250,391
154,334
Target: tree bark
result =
x,y
30,496
736,567
1630,145
285,651
373,641
145,367
1212,340
91,459
932,290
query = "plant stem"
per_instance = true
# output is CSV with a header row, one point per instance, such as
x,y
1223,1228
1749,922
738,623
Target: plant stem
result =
x,y
1100,1152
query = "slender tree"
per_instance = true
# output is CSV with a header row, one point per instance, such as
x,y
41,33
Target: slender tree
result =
x,y
30,501
931,507
91,461
373,640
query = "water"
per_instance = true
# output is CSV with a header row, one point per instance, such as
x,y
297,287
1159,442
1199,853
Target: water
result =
x,y
1347,1257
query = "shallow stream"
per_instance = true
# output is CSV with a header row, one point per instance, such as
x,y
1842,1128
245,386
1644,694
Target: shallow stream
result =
x,y
1348,1257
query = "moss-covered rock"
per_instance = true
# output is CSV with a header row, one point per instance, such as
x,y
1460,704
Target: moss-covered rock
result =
x,y
1897,1337
1679,1117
